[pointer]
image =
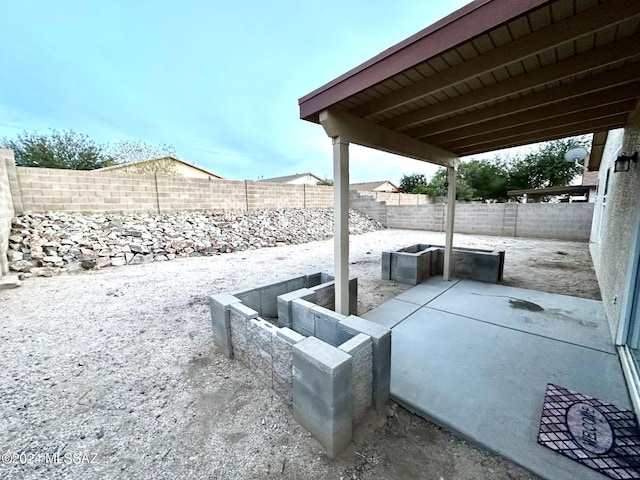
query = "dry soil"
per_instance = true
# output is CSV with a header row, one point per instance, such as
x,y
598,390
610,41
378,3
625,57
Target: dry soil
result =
x,y
115,372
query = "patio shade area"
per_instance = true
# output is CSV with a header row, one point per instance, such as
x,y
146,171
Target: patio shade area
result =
x,y
495,74
492,75
477,357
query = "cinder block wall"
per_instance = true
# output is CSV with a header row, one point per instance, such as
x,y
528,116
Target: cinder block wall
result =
x,y
563,221
46,190
367,204
6,207
318,196
400,198
418,217
478,219
179,193
273,196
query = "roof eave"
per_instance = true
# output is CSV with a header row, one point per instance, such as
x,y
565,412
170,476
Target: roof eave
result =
x,y
462,25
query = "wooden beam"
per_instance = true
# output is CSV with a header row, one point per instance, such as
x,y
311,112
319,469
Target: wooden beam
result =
x,y
609,123
572,28
368,134
582,106
559,121
597,150
594,84
584,62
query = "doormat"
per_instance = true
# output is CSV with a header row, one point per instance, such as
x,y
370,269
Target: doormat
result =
x,y
594,433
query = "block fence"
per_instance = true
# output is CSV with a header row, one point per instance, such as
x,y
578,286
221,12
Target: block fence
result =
x,y
52,190
394,198
562,221
39,190
6,208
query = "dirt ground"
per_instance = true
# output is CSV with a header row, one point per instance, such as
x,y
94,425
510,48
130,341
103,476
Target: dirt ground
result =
x,y
115,372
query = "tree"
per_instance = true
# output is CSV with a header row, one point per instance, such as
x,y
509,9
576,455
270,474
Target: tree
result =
x,y
413,183
417,183
130,151
58,149
486,180
327,182
491,179
437,188
546,167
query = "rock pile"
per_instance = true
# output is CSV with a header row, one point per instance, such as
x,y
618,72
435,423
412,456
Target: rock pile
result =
x,y
47,244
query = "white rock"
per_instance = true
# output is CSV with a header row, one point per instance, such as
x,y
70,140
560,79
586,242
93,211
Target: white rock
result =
x,y
14,256
70,240
53,259
118,261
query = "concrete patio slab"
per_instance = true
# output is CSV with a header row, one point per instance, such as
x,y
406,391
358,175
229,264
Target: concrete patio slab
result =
x,y
487,381
574,320
426,292
390,313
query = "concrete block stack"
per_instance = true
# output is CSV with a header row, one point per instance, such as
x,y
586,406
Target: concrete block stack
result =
x,y
329,367
418,262
323,393
360,350
381,356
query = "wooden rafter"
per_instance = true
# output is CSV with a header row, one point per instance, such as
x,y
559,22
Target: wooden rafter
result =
x,y
585,22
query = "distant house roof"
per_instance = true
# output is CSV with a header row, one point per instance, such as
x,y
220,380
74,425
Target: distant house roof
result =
x,y
290,178
124,166
548,191
371,186
589,180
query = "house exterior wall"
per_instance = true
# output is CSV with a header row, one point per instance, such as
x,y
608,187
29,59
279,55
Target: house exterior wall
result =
x,y
7,169
305,180
191,172
162,165
615,225
385,187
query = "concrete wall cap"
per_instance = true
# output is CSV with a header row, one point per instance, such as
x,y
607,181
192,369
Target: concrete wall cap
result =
x,y
321,354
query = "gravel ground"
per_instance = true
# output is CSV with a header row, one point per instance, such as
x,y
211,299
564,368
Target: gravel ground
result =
x,y
115,372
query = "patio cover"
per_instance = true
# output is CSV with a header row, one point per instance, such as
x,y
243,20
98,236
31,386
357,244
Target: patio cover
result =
x,y
492,75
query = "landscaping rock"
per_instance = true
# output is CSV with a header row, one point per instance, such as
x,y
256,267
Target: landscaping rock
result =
x,y
47,244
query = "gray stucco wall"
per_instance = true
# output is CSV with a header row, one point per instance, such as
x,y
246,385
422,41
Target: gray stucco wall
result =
x,y
615,225
6,208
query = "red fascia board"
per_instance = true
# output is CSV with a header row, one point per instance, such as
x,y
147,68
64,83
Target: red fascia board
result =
x,y
468,22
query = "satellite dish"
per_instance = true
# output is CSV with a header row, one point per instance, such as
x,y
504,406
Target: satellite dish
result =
x,y
576,154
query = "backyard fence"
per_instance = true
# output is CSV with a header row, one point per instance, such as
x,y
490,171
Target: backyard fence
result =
x,y
40,190
562,221
53,190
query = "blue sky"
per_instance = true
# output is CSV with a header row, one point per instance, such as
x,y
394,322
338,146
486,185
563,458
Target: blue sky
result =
x,y
218,80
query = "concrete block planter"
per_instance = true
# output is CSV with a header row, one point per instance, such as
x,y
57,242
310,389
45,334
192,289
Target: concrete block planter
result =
x,y
329,367
318,286
416,263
